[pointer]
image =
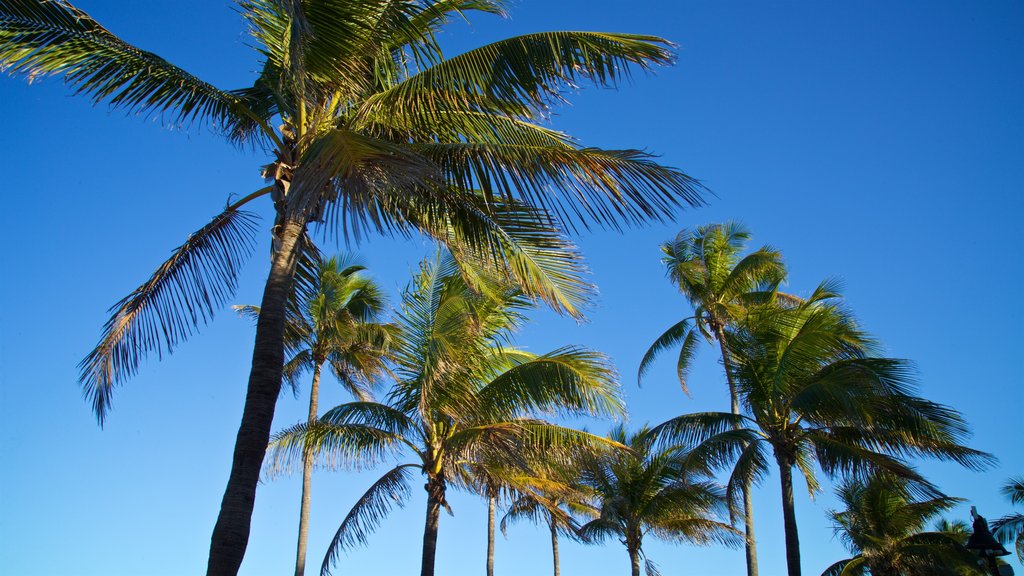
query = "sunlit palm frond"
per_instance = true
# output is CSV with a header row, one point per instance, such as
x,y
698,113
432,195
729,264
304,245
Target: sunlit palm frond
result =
x,y
347,446
392,489
532,69
569,380
505,240
182,294
581,186
39,39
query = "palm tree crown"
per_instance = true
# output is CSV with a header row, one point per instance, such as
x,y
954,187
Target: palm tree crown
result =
x,y
648,491
884,526
814,394
463,395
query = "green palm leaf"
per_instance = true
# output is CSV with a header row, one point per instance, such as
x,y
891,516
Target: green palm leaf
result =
x,y
183,292
53,37
392,489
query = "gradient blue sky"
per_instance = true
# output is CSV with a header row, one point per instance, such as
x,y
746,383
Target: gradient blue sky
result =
x,y
878,142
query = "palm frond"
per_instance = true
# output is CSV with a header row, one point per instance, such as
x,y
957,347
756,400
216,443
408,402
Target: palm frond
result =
x,y
849,567
182,294
348,446
569,380
681,331
390,490
530,69
581,186
53,37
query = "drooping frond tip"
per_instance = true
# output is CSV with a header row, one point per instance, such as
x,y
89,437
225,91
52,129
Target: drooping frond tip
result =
x,y
182,294
39,39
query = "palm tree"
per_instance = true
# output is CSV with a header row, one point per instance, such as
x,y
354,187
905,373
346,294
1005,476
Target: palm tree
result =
x,y
883,526
464,394
645,490
376,132
550,495
707,267
336,323
539,506
814,393
1011,526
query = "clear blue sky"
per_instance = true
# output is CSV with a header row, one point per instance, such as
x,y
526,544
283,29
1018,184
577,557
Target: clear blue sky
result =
x,y
879,142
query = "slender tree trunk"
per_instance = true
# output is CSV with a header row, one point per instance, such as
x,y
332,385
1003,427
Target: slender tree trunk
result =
x,y
750,544
789,517
634,559
307,477
231,532
435,497
554,544
490,535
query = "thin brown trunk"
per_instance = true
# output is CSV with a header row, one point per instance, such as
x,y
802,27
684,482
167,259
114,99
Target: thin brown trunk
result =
x,y
634,560
554,544
490,535
750,543
789,518
231,532
435,497
307,477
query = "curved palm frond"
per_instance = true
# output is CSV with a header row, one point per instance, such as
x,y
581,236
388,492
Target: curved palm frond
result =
x,y
529,69
182,293
849,567
680,332
581,186
392,489
49,38
569,380
348,446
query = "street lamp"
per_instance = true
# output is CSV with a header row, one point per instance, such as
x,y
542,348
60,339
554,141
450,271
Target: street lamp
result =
x,y
985,545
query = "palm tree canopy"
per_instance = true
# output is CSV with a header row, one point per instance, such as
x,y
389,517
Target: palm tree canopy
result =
x,y
463,395
884,526
813,393
708,267
334,318
377,130
646,490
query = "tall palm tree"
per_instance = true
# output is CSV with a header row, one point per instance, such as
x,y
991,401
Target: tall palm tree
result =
x,y
336,323
376,131
814,393
884,527
649,491
708,267
464,394
1011,526
548,507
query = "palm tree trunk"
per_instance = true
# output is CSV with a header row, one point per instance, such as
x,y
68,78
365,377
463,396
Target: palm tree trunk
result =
x,y
750,546
231,532
789,518
490,535
554,544
307,478
634,559
435,497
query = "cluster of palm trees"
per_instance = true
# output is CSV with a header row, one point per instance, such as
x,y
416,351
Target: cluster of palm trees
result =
x,y
368,127
472,411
